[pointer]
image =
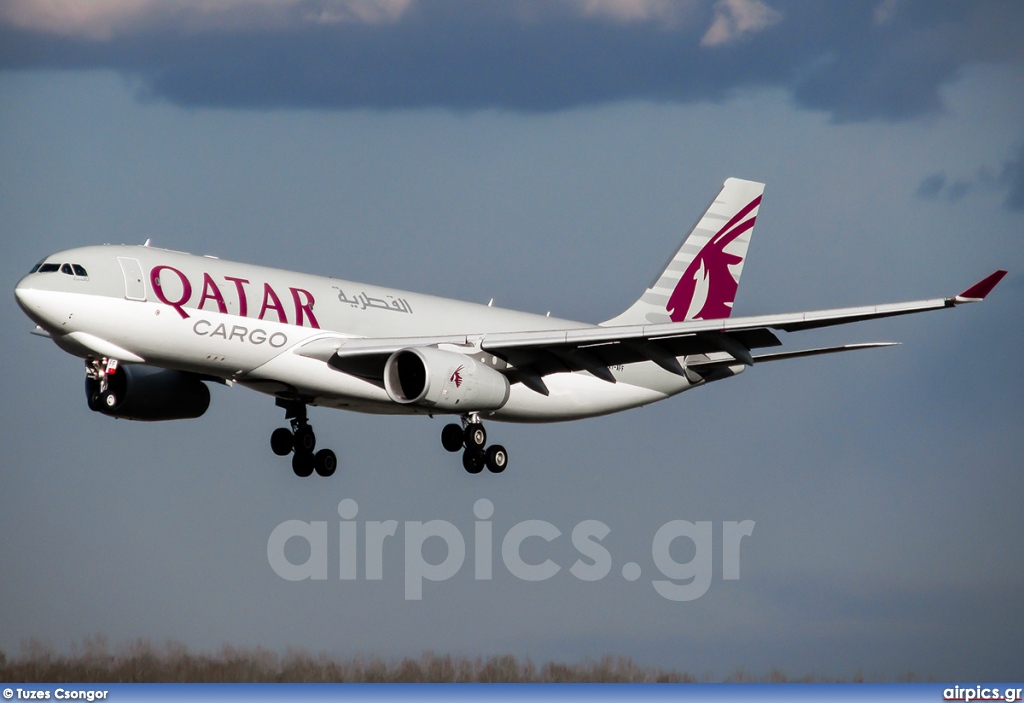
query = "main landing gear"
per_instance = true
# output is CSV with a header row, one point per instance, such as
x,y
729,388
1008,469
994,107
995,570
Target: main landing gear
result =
x,y
472,436
300,442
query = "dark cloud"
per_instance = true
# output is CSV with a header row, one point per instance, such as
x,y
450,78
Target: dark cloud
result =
x,y
1012,177
851,60
932,186
939,187
1009,180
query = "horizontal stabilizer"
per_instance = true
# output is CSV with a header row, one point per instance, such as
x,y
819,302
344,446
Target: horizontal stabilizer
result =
x,y
705,366
778,356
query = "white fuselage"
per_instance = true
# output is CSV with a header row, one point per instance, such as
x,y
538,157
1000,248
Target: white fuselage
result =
x,y
243,323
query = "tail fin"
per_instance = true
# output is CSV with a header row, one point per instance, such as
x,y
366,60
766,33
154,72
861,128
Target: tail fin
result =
x,y
700,281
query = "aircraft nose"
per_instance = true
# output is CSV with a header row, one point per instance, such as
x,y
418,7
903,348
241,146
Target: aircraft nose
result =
x,y
29,300
21,291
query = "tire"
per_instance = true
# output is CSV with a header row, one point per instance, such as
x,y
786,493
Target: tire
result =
x,y
302,464
325,463
475,436
452,437
496,458
108,400
281,441
305,440
473,461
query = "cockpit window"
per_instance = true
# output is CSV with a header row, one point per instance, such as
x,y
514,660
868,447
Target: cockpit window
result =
x,y
80,270
49,268
66,268
36,267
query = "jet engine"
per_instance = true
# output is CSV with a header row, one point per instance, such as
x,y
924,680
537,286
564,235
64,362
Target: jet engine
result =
x,y
137,392
448,381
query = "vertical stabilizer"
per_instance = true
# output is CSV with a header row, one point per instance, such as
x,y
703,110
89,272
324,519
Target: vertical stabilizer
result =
x,y
701,279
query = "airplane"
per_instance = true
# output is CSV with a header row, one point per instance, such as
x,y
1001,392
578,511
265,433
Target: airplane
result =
x,y
155,326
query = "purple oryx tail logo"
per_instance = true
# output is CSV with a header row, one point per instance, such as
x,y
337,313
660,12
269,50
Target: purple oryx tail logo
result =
x,y
708,288
456,376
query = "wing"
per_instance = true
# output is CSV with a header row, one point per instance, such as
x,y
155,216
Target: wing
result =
x,y
531,355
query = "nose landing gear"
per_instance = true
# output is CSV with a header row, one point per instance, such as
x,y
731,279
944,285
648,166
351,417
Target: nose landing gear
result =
x,y
300,441
100,395
472,436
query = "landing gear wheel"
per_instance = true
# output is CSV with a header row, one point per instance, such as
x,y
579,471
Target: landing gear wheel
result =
x,y
305,440
452,437
109,400
281,441
476,436
325,463
496,458
302,464
473,461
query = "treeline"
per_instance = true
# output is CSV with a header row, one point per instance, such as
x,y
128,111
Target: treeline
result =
x,y
142,662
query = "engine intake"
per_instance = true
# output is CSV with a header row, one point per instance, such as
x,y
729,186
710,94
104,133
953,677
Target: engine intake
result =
x,y
449,381
145,393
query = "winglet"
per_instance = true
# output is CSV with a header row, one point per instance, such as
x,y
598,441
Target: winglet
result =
x,y
980,289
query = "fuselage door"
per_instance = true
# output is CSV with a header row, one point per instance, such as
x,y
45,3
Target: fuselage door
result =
x,y
134,288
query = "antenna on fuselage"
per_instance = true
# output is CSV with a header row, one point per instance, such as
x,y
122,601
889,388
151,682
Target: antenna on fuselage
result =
x,y
146,244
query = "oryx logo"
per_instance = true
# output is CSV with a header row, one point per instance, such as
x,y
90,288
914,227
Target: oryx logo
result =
x,y
456,376
708,288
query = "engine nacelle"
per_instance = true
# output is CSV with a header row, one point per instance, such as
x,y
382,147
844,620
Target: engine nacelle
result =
x,y
145,393
449,381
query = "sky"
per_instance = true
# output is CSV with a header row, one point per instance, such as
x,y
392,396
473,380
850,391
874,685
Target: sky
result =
x,y
548,155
